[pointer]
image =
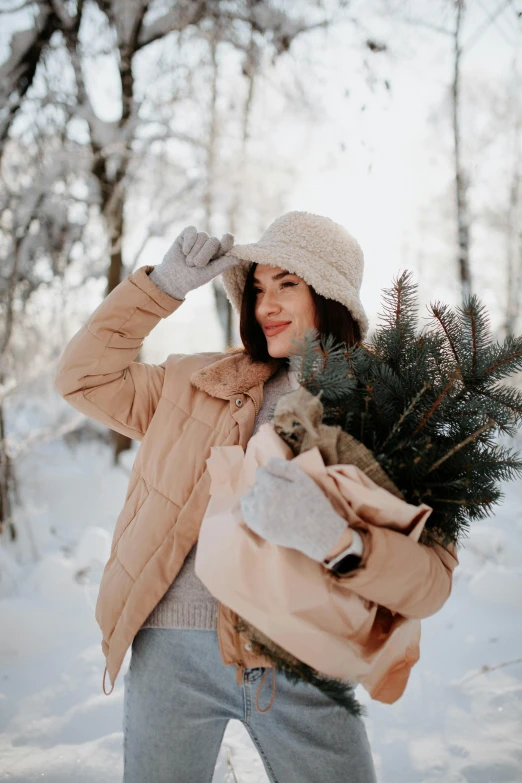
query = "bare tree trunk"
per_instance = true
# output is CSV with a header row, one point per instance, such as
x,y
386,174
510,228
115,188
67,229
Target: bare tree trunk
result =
x,y
114,220
250,72
7,483
514,234
461,179
514,254
115,226
112,185
223,306
7,473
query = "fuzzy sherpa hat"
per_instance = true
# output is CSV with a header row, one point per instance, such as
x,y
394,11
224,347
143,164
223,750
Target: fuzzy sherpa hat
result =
x,y
311,246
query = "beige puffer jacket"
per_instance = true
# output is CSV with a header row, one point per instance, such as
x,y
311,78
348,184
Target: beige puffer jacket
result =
x,y
178,410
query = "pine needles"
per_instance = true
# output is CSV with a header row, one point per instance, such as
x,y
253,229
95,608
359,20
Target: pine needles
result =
x,y
428,403
295,671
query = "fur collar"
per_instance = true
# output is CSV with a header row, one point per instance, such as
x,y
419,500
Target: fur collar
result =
x,y
235,373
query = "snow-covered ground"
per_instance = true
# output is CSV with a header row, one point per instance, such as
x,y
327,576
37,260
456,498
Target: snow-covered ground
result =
x,y
460,719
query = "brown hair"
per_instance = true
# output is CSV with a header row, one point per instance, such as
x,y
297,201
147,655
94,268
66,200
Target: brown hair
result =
x,y
332,318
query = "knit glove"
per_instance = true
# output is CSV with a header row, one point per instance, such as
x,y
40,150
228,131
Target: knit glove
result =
x,y
191,261
287,507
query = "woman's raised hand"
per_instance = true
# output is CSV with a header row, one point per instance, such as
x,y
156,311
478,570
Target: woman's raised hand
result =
x,y
193,259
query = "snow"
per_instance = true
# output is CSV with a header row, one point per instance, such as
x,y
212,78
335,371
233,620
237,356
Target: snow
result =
x,y
460,720
497,584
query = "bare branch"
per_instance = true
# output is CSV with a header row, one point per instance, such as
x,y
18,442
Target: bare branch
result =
x,y
17,73
181,17
482,29
67,21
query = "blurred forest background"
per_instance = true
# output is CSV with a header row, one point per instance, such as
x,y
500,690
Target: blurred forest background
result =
x,y
123,121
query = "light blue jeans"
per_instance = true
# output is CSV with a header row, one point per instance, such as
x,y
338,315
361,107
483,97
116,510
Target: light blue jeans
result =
x,y
179,697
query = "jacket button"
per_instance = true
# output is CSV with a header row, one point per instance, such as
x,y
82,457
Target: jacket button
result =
x,y
239,402
248,647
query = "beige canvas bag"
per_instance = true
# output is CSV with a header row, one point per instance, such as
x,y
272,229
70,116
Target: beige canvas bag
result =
x,y
293,599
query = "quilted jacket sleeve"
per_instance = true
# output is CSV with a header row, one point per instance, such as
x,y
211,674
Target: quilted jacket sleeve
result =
x,y
97,373
408,577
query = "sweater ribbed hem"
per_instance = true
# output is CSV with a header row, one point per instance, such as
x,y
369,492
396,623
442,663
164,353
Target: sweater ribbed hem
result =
x,y
176,615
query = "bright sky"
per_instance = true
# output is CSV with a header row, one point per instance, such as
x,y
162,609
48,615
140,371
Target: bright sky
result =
x,y
382,205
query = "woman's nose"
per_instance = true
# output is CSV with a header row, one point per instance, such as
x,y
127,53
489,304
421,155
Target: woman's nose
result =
x,y
268,303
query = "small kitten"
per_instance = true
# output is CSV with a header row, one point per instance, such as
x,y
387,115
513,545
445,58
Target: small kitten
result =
x,y
298,421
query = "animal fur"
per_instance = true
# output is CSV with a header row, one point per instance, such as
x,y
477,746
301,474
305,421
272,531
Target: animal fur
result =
x,y
298,421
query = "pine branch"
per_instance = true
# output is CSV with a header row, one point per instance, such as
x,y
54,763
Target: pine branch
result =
x,y
499,462
458,446
475,330
406,413
464,503
400,302
509,355
455,375
508,396
474,341
447,322
371,396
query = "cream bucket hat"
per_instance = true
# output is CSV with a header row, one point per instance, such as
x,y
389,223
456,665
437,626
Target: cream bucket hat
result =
x,y
311,246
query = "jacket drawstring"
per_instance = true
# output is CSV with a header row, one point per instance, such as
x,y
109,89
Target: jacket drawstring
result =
x,y
273,689
103,684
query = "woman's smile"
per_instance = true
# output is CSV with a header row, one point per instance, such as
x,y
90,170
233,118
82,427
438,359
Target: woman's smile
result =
x,y
275,328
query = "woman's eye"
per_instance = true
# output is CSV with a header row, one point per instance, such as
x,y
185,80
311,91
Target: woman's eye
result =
x,y
259,290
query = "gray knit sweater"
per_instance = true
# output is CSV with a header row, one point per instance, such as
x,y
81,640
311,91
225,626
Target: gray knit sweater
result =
x,y
187,603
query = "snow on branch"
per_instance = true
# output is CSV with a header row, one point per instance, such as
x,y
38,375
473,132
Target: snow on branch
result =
x,y
67,21
21,45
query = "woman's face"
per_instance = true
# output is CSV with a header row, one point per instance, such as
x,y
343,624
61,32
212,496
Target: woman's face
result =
x,y
285,301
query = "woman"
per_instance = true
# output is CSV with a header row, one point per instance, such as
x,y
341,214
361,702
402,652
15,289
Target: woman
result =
x,y
180,690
